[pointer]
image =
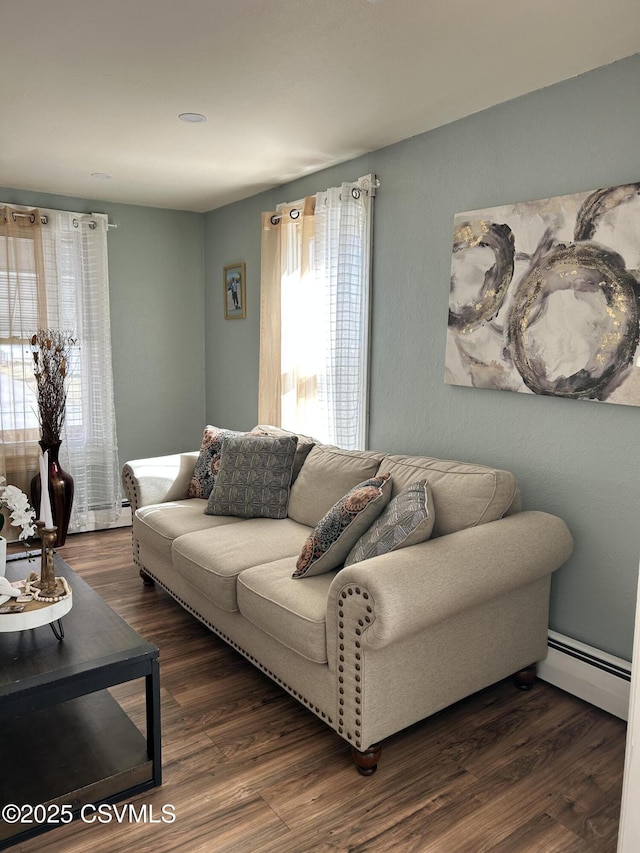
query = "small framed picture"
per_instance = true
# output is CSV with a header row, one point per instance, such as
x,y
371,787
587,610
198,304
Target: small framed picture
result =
x,y
234,292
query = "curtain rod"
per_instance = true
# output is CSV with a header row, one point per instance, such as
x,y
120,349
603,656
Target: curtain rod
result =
x,y
368,184
44,219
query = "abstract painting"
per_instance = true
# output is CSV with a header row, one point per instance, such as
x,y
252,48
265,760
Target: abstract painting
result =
x,y
545,297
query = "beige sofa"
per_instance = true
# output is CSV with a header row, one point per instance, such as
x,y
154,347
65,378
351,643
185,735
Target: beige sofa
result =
x,y
374,647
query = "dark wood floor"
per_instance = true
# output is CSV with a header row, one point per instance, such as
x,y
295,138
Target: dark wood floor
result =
x,y
249,770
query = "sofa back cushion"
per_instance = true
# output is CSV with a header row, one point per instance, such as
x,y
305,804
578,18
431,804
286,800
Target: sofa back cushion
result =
x,y
327,474
464,495
304,445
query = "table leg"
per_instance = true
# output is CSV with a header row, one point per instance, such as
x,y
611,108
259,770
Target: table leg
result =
x,y
58,630
153,720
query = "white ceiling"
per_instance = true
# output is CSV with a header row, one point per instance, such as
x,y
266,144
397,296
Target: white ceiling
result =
x,y
289,86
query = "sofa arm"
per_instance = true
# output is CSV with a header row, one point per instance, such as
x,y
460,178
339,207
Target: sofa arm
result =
x,y
405,591
159,479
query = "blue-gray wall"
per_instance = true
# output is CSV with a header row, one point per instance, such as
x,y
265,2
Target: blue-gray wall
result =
x,y
576,459
157,327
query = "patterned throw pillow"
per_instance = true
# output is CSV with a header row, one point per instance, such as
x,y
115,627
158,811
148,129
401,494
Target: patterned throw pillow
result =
x,y
253,477
206,467
336,533
407,520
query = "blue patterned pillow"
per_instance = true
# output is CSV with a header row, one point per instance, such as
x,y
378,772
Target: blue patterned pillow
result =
x,y
208,462
336,533
407,520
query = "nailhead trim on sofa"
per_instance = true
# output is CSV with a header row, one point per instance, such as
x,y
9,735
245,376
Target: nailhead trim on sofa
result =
x,y
131,488
350,662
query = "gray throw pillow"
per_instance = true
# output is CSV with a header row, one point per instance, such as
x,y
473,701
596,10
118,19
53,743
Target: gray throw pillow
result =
x,y
407,520
336,533
253,477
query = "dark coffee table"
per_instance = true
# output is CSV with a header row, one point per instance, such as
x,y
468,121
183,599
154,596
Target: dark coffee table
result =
x,y
64,740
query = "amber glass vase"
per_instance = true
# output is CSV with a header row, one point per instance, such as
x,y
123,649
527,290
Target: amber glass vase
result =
x,y
60,492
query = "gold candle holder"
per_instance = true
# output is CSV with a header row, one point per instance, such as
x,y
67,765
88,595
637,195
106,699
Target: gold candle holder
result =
x,y
48,585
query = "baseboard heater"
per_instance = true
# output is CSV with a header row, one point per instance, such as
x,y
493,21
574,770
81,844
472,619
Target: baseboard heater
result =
x,y
591,674
95,522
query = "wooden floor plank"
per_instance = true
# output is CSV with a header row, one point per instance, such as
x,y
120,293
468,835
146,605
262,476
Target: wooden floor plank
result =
x,y
249,770
542,834
590,812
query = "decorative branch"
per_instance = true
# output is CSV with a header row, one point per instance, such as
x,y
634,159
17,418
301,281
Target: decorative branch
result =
x,y
51,349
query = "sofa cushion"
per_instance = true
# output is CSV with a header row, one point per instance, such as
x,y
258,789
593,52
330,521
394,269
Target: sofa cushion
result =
x,y
206,467
294,614
327,474
305,443
464,495
211,560
333,537
157,525
254,475
407,520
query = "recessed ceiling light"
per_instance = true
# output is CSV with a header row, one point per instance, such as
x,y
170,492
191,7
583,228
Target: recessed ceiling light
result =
x,y
102,176
193,118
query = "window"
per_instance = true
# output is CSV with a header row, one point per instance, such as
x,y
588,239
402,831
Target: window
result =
x,y
53,274
20,308
314,336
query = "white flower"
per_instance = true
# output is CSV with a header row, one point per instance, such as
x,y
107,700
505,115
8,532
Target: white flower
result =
x,y
21,512
14,497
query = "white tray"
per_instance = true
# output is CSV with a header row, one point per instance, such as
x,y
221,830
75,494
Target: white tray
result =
x,y
43,615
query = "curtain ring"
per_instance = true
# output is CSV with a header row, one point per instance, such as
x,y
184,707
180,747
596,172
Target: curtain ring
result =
x,y
30,216
355,192
75,223
294,214
275,219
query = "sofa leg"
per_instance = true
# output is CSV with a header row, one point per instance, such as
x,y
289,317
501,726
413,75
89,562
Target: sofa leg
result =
x,y
147,579
367,761
526,678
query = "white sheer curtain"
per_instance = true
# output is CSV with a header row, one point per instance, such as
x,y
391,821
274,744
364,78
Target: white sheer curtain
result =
x,y
54,274
315,314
